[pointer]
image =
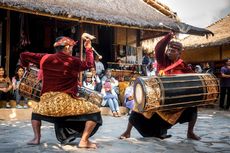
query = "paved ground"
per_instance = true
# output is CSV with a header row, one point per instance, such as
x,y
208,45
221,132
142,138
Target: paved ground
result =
x,y
213,126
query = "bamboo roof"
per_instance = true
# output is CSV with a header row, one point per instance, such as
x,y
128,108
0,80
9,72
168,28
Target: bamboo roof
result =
x,y
122,13
221,30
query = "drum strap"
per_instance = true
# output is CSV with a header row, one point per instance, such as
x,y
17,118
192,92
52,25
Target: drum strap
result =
x,y
40,72
170,67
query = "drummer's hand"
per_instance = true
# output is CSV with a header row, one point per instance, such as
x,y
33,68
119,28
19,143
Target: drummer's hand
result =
x,y
87,44
100,57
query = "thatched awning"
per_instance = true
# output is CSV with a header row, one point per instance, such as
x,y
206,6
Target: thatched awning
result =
x,y
124,13
221,30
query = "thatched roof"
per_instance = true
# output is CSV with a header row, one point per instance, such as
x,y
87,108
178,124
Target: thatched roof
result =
x,y
221,30
124,13
162,8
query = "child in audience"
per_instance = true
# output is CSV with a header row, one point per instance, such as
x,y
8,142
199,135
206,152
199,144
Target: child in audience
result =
x,y
110,99
129,101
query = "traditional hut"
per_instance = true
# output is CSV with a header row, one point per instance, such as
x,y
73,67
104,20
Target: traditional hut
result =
x,y
214,49
118,25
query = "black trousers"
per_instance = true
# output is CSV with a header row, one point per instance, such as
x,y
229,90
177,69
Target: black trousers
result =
x,y
156,126
69,128
223,92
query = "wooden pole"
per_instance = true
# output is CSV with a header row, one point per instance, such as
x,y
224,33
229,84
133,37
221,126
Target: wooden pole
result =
x,y
7,57
81,49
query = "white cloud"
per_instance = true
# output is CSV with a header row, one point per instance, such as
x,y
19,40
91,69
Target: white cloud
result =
x,y
200,13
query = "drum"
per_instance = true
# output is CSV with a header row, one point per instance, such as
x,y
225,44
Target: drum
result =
x,y
176,91
30,86
90,95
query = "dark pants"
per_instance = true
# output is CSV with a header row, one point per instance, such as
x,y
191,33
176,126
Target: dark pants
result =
x,y
223,92
69,128
156,126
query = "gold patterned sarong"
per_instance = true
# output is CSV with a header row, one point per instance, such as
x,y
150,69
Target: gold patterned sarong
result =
x,y
58,104
170,116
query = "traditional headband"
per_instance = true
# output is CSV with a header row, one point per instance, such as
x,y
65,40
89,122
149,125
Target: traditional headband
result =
x,y
65,41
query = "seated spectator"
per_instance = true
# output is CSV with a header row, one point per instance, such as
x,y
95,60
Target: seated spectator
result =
x,y
129,101
96,79
207,68
151,69
88,82
119,65
198,69
15,83
5,87
110,99
109,78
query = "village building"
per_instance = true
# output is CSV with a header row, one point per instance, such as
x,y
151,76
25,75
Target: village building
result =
x,y
119,26
212,50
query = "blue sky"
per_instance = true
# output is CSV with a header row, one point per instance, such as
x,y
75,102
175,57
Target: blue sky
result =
x,y
200,13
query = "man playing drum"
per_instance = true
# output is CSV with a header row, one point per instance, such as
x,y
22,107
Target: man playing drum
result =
x,y
156,124
72,116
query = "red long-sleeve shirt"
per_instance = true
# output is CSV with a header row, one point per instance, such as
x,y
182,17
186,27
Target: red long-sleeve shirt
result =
x,y
60,71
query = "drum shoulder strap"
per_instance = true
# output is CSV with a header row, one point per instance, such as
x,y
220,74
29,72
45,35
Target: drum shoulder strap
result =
x,y
173,65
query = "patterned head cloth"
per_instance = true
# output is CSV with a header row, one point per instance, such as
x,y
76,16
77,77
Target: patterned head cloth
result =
x,y
175,45
65,41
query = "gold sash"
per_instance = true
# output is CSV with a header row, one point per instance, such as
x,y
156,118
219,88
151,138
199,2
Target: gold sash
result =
x,y
59,104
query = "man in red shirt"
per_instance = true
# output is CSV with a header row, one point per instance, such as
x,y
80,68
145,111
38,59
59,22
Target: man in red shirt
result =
x,y
73,117
156,125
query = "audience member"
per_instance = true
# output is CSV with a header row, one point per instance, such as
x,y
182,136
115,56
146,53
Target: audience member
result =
x,y
110,99
145,63
225,85
129,101
15,82
207,68
88,82
96,79
109,78
5,87
198,69
99,66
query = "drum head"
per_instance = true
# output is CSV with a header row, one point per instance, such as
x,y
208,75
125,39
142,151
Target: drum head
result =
x,y
139,95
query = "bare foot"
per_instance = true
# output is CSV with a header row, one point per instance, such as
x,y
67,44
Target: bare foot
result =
x,y
118,114
125,135
114,114
193,136
87,144
33,142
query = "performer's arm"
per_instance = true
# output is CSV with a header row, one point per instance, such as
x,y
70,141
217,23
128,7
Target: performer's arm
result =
x,y
89,60
160,48
29,57
223,75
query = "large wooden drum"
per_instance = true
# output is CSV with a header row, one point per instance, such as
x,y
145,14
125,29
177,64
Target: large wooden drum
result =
x,y
177,91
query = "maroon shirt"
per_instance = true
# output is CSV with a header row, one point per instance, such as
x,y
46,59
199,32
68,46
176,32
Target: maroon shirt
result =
x,y
60,71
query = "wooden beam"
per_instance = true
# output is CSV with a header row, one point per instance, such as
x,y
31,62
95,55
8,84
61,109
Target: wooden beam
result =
x,y
7,57
81,49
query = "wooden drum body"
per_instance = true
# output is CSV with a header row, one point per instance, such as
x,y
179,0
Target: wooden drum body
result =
x,y
177,91
30,86
90,95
